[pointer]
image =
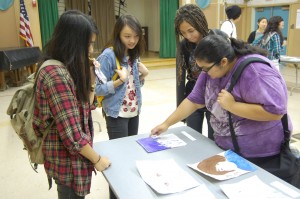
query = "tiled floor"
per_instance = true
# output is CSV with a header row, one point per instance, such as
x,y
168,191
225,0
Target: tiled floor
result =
x,y
18,180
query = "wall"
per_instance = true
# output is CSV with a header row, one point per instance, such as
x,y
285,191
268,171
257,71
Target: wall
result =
x,y
9,36
152,20
147,12
10,19
61,7
136,8
270,2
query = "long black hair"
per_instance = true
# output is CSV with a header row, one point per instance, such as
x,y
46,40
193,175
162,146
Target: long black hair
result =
x,y
116,43
70,45
218,45
193,15
273,26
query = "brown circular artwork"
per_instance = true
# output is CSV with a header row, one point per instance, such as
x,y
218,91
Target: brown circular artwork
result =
x,y
209,165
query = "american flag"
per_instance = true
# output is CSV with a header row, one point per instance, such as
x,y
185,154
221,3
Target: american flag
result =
x,y
25,32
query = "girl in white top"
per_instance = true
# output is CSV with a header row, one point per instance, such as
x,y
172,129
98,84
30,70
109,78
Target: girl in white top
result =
x,y
233,14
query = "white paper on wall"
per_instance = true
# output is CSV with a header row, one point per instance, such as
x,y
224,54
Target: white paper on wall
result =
x,y
298,19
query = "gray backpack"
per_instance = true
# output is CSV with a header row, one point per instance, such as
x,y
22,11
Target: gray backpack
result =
x,y
21,110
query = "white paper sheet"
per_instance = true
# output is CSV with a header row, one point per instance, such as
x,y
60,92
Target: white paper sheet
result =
x,y
251,188
165,176
195,193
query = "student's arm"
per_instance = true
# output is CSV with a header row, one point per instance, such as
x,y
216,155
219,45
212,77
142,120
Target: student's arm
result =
x,y
143,70
185,109
100,163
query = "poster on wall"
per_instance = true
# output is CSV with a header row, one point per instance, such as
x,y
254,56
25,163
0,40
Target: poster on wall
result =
x,y
298,19
5,4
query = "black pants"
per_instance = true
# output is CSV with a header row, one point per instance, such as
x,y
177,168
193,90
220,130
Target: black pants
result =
x,y
65,192
121,127
195,121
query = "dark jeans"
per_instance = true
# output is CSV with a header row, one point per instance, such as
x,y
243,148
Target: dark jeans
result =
x,y
195,121
65,192
121,127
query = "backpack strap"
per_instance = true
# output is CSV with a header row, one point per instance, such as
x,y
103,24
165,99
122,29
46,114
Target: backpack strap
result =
x,y
231,27
48,62
115,76
235,77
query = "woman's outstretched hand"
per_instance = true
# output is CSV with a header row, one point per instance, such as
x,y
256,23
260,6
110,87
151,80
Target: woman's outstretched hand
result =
x,y
159,129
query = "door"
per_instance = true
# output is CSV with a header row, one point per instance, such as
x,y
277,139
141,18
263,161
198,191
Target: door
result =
x,y
293,41
262,12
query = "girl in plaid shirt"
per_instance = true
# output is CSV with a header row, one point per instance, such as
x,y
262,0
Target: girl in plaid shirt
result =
x,y
272,39
65,94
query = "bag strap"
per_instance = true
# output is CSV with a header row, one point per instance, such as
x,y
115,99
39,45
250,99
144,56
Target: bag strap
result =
x,y
286,131
115,76
231,28
46,63
235,77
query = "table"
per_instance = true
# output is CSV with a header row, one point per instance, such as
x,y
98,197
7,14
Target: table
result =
x,y
15,59
124,177
295,61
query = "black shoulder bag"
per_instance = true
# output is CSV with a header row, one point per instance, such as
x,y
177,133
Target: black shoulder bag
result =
x,y
286,166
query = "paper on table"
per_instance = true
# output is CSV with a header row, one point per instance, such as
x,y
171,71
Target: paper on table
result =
x,y
251,188
288,58
165,176
223,166
195,193
161,142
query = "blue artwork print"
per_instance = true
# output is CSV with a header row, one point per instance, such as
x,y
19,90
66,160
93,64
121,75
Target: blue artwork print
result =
x,y
150,145
239,161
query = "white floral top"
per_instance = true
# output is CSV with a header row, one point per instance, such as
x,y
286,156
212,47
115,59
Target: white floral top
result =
x,y
129,107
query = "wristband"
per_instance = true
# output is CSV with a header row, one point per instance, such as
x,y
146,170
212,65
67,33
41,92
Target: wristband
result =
x,y
97,160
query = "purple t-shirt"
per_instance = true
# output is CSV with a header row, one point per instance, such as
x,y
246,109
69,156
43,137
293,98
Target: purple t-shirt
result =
x,y
258,84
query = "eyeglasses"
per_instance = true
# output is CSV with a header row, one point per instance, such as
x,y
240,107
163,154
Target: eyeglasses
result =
x,y
208,69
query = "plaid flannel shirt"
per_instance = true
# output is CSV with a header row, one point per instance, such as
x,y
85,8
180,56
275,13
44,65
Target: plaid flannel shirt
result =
x,y
274,47
56,98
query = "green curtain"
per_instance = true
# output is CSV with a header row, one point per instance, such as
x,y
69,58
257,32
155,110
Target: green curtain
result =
x,y
48,12
167,34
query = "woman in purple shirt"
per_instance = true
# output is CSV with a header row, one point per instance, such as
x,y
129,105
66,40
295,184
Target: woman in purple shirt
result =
x,y
257,101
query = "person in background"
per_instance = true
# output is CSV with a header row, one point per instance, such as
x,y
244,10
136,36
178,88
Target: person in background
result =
x,y
123,98
272,40
261,24
190,27
256,103
233,16
64,93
